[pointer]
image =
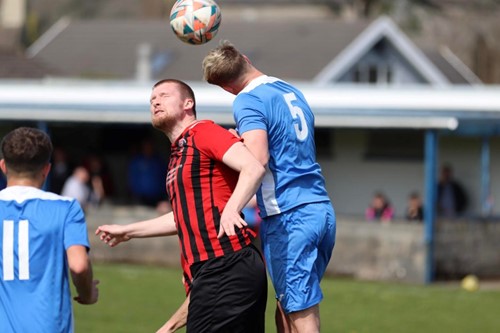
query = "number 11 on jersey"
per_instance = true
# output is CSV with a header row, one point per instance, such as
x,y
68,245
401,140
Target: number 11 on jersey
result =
x,y
8,250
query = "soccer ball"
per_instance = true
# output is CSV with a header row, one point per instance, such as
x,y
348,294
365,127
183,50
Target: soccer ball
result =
x,y
195,21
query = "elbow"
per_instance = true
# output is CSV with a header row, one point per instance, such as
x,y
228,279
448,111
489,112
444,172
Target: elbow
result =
x,y
79,267
264,160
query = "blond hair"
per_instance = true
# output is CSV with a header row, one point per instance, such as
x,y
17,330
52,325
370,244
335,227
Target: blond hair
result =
x,y
224,65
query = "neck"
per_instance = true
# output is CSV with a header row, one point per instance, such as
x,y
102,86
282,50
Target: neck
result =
x,y
25,182
174,133
249,77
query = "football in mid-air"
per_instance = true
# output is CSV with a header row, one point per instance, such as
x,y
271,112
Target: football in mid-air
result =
x,y
195,21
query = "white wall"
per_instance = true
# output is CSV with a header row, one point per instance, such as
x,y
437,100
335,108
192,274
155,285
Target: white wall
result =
x,y
352,180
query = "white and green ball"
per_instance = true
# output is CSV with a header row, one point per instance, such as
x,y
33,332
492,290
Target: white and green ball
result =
x,y
195,21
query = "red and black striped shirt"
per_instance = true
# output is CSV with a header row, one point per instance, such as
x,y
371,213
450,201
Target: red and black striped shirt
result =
x,y
199,185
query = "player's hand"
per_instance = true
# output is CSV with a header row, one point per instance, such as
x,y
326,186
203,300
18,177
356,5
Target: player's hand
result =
x,y
112,234
228,221
94,295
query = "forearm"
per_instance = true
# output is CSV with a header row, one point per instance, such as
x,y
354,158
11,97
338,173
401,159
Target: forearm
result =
x,y
178,319
160,226
81,274
251,172
248,183
82,279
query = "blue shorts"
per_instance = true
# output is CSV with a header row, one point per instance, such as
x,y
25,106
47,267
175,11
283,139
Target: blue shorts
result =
x,y
298,245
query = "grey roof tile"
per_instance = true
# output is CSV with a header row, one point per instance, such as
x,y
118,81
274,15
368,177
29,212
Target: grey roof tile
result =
x,y
294,49
16,66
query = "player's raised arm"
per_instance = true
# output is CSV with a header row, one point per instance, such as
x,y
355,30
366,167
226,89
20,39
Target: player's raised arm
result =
x,y
114,234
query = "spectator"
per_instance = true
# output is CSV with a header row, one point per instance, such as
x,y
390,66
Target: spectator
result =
x,y
414,209
100,179
380,209
451,196
60,170
144,170
77,187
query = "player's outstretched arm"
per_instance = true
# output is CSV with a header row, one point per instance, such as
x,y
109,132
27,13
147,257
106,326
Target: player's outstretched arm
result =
x,y
114,234
178,319
251,171
81,275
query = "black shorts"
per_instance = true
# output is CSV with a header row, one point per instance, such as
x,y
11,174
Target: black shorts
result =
x,y
229,294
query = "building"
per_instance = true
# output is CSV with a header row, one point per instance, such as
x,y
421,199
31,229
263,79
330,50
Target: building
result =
x,y
388,112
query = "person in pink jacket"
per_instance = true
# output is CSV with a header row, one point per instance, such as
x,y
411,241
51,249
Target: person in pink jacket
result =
x,y
380,209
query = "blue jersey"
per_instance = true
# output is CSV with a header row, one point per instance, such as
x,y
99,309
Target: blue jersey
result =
x,y
293,177
36,228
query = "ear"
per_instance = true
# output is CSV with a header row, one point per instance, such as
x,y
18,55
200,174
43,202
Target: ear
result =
x,y
188,103
246,58
3,167
46,170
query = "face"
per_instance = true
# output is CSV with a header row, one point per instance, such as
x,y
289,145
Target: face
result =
x,y
414,202
378,202
166,105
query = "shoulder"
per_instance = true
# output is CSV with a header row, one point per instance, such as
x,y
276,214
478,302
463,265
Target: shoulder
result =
x,y
207,131
21,194
204,128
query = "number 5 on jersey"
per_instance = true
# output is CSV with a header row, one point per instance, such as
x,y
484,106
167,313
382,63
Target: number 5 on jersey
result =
x,y
297,112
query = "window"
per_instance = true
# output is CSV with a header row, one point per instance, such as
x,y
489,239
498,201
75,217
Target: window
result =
x,y
323,137
373,74
395,145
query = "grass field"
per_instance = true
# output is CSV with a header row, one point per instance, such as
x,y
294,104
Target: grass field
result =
x,y
139,299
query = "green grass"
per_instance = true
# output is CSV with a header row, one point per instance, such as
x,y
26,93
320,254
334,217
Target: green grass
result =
x,y
141,298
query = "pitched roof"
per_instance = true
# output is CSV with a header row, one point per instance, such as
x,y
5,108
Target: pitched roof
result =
x,y
451,66
379,29
291,49
16,66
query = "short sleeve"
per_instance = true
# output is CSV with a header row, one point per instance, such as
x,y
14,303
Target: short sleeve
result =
x,y
75,230
214,140
249,113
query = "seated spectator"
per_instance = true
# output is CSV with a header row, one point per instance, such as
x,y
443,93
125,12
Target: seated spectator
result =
x,y
380,209
414,209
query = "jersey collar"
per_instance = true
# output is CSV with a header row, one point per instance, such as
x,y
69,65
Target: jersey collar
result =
x,y
263,79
